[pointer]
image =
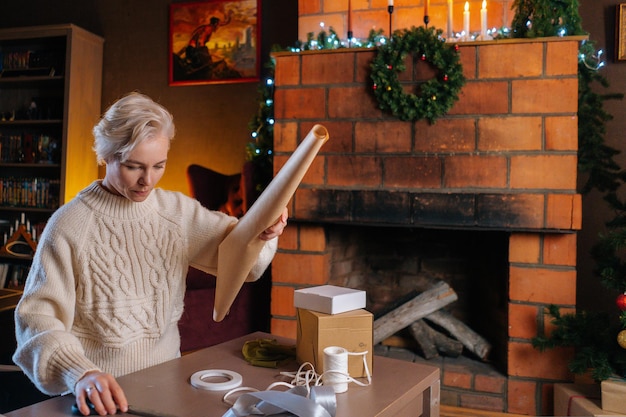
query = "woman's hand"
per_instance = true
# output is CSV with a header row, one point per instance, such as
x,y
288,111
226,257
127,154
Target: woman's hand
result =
x,y
277,228
103,391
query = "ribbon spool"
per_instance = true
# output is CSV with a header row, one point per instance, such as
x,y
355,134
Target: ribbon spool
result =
x,y
233,380
336,368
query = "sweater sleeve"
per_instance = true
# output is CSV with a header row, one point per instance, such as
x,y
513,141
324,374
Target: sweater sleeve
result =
x,y
48,353
210,229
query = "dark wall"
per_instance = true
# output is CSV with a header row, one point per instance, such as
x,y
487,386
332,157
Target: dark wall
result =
x,y
211,120
598,18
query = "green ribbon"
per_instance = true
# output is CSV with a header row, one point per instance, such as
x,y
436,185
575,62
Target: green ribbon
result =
x,y
267,353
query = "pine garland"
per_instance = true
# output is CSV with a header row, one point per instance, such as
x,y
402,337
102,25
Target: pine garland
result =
x,y
542,18
436,96
259,151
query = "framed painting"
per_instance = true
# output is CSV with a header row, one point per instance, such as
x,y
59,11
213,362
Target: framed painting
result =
x,y
214,41
620,33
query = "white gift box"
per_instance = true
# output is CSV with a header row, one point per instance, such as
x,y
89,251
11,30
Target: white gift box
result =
x,y
329,299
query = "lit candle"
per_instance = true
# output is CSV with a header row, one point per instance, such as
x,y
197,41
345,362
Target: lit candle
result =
x,y
390,3
426,7
483,20
466,20
450,24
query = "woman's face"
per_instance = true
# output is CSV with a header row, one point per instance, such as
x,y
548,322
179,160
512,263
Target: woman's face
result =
x,y
136,177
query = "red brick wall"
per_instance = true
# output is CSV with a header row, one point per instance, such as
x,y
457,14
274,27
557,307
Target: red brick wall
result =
x,y
372,14
509,145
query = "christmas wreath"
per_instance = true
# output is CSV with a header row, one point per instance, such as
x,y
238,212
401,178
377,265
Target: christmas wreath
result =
x,y
434,97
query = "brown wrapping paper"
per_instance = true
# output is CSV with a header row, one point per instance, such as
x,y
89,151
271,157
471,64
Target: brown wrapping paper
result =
x,y
614,395
578,400
240,249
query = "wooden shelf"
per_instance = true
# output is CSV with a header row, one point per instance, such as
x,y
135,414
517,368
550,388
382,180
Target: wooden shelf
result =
x,y
7,79
7,258
26,122
28,165
9,298
64,81
27,209
69,87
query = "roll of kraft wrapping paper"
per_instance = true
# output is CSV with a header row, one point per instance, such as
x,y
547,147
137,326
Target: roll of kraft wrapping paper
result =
x,y
239,251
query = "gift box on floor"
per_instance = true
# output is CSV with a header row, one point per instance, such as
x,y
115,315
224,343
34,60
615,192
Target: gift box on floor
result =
x,y
352,330
579,400
614,395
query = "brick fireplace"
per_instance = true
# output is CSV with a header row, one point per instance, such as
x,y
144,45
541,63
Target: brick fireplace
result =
x,y
502,161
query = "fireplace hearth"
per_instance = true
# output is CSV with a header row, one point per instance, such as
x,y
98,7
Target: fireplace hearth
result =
x,y
485,198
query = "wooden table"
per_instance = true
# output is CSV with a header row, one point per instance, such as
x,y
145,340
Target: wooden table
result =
x,y
398,388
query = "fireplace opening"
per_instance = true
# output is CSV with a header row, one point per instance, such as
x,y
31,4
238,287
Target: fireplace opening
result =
x,y
391,263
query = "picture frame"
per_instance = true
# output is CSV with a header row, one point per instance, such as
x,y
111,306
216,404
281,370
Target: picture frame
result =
x,y
214,41
620,32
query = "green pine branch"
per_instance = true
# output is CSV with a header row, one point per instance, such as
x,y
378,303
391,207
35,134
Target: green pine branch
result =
x,y
595,341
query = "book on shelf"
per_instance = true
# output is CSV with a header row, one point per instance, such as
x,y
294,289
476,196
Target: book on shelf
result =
x,y
4,271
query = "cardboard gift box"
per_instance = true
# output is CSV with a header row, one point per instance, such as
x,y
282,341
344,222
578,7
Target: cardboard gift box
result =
x,y
579,400
614,395
351,330
329,299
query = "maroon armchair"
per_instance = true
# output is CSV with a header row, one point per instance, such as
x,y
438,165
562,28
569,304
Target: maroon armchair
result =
x,y
250,310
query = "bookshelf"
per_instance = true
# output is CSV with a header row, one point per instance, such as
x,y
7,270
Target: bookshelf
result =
x,y
50,98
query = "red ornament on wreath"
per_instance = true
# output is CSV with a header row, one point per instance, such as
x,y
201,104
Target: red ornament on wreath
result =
x,y
621,302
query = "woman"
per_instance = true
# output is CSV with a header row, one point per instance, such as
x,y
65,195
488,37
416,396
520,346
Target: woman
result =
x,y
105,290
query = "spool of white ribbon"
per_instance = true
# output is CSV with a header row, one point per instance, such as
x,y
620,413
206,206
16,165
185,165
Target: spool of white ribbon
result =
x,y
336,368
233,380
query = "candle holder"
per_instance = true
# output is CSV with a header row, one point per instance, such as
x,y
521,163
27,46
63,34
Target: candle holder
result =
x,y
426,20
390,11
349,23
450,19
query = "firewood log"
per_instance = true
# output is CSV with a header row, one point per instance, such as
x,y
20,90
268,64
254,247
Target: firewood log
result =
x,y
420,332
462,332
422,305
432,342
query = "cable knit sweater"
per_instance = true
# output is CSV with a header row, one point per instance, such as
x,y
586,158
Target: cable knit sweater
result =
x,y
106,287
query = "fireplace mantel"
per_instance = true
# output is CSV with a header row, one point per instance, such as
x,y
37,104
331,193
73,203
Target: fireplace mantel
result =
x,y
472,211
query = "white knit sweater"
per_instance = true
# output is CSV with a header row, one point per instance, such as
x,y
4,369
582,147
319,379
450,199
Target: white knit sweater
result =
x,y
106,287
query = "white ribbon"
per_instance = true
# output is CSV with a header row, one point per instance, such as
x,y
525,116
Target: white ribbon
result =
x,y
321,403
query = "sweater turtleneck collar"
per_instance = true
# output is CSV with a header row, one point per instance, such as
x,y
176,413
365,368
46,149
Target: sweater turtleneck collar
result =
x,y
116,206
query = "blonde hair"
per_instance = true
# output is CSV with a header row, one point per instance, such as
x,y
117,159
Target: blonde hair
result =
x,y
128,122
